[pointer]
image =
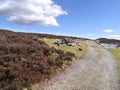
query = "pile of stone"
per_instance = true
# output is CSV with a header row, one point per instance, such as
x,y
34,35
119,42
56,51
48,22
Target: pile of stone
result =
x,y
66,42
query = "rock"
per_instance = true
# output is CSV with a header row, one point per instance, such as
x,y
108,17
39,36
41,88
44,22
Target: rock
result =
x,y
67,42
80,49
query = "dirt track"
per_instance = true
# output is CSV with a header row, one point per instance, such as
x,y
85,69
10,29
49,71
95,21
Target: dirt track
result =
x,y
96,71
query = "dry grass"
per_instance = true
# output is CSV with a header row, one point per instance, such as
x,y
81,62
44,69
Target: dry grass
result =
x,y
74,50
116,53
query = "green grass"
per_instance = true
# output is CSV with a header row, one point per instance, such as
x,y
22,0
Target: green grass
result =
x,y
74,50
116,53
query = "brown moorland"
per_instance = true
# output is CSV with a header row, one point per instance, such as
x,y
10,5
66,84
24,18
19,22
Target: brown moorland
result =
x,y
26,60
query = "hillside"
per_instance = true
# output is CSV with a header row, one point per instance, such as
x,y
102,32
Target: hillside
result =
x,y
26,60
109,41
51,36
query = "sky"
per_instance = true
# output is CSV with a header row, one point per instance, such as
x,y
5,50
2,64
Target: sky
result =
x,y
82,18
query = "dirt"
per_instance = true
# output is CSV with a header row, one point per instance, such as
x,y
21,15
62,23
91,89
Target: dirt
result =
x,y
95,71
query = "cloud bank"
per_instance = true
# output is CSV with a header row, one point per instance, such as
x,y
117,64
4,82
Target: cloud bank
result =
x,y
31,12
108,31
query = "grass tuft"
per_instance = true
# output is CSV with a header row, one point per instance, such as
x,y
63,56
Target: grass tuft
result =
x,y
116,53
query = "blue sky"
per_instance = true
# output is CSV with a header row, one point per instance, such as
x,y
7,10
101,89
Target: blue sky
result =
x,y
81,18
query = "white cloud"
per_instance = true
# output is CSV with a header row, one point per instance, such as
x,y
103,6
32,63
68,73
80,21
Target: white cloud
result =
x,y
31,12
108,31
114,37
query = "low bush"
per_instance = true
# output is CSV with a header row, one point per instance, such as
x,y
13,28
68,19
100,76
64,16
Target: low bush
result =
x,y
26,60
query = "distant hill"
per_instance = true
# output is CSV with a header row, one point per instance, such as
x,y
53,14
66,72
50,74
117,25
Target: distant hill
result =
x,y
50,36
109,41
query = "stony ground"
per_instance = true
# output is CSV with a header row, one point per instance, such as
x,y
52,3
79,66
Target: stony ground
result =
x,y
96,71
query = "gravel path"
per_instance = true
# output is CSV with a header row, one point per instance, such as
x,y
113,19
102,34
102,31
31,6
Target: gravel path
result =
x,y
96,71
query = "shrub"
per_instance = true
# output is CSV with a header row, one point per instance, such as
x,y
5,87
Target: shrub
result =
x,y
26,60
